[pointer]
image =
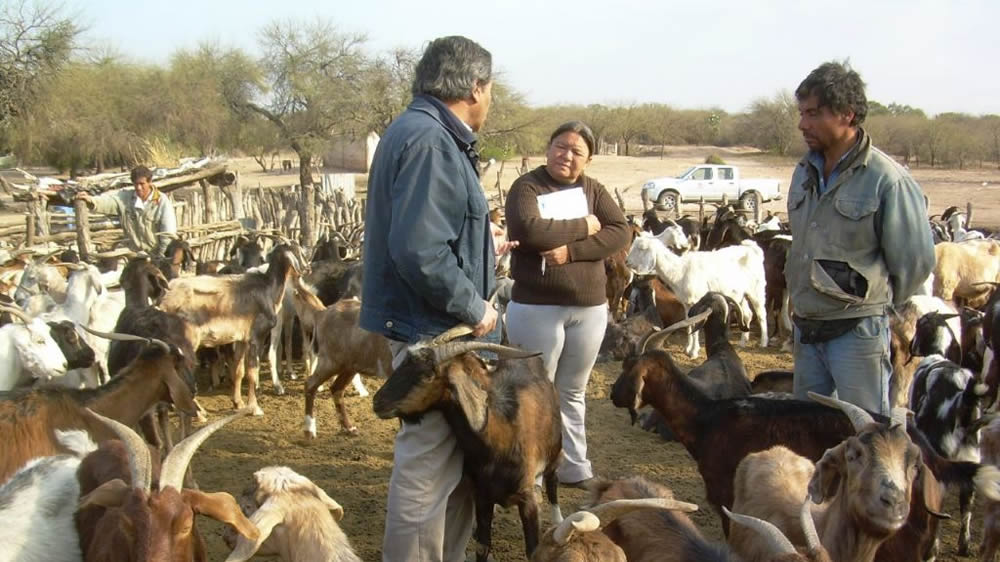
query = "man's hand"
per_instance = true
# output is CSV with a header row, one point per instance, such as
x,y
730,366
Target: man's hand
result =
x,y
593,225
506,247
82,196
488,322
556,256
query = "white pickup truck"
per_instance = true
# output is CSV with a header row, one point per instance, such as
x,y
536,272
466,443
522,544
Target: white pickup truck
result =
x,y
710,182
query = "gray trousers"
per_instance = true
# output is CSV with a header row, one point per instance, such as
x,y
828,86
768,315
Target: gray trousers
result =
x,y
430,508
569,338
855,364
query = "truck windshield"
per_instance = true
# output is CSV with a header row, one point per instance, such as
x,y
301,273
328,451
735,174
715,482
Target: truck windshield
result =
x,y
687,172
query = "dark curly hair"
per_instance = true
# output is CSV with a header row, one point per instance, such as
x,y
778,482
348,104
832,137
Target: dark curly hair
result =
x,y
837,86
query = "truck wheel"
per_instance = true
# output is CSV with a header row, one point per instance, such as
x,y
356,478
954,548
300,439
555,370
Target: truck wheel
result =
x,y
751,201
667,201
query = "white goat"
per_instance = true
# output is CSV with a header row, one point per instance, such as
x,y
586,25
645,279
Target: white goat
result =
x,y
307,516
27,351
735,271
37,505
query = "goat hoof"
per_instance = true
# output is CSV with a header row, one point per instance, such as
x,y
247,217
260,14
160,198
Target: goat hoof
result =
x,y
353,430
293,377
310,435
257,411
239,404
279,390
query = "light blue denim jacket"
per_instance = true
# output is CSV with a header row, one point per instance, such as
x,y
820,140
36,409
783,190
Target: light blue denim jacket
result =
x,y
873,216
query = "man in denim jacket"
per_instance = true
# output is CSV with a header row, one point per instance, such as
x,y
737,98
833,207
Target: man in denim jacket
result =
x,y
429,265
860,244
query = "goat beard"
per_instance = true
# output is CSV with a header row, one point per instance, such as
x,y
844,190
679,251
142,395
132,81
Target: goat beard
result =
x,y
633,414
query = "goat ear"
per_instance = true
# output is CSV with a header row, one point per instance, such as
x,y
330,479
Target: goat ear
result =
x,y
469,395
335,508
110,494
180,394
221,507
826,478
264,519
930,491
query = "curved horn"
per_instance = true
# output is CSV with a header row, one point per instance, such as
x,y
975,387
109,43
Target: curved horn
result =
x,y
68,265
453,334
127,337
176,463
898,416
608,512
858,416
581,521
15,311
776,541
809,526
139,464
449,350
662,334
735,308
460,330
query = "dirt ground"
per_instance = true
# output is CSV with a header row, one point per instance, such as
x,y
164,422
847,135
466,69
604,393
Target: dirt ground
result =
x,y
355,470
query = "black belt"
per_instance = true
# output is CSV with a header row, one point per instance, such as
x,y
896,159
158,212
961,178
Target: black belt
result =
x,y
819,331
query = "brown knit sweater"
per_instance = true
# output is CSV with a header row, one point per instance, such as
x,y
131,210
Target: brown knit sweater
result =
x,y
581,281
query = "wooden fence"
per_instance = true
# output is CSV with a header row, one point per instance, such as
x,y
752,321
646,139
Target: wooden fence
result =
x,y
209,217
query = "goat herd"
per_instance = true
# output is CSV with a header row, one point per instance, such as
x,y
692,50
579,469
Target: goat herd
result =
x,y
86,365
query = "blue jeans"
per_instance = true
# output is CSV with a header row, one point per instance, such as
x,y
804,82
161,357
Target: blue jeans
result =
x,y
855,364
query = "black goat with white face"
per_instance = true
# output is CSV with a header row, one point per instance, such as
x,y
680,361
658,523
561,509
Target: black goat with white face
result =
x,y
505,418
945,399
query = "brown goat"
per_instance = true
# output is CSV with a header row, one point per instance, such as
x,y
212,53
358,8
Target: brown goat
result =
x,y
864,485
505,419
578,538
343,349
671,536
240,309
122,518
297,520
28,419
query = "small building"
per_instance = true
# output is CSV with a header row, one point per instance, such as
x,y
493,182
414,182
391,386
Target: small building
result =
x,y
351,152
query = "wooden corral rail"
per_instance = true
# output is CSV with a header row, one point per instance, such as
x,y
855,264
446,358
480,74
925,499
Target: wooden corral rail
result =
x,y
210,215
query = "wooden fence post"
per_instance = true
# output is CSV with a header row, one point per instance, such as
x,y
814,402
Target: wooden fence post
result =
x,y
29,229
82,229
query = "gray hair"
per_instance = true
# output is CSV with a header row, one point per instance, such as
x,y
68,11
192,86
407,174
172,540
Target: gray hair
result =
x,y
451,67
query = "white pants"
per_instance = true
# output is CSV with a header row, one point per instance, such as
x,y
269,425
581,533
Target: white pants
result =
x,y
431,508
569,338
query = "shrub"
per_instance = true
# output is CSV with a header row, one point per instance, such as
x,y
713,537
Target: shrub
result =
x,y
714,159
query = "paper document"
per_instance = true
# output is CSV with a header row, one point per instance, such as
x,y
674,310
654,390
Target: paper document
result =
x,y
565,204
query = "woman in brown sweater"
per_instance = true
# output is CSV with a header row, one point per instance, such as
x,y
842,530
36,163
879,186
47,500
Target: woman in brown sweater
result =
x,y
558,304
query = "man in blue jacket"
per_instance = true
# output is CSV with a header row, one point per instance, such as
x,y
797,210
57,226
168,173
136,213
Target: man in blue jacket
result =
x,y
429,265
860,244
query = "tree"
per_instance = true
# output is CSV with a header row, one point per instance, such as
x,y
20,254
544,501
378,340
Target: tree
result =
x,y
197,114
311,89
773,123
386,84
628,124
35,42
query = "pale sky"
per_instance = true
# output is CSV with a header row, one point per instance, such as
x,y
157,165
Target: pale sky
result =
x,y
938,55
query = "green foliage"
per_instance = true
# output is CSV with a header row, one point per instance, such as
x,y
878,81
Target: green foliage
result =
x,y
36,40
714,158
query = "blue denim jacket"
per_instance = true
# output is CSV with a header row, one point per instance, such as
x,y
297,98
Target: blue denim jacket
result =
x,y
428,252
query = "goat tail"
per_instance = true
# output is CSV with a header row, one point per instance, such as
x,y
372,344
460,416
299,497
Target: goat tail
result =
x,y
77,441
